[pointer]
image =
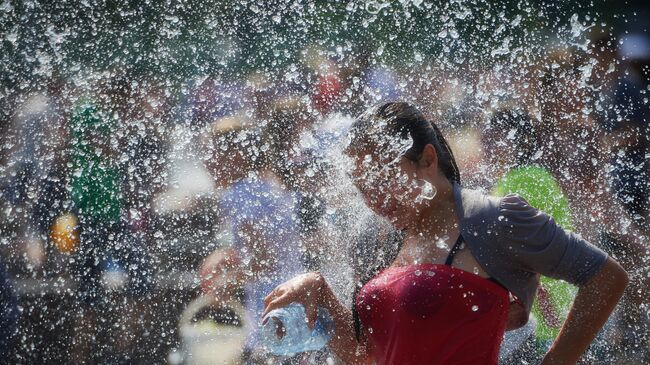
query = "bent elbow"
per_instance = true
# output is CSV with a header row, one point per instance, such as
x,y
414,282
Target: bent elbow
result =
x,y
625,278
617,274
620,273
611,274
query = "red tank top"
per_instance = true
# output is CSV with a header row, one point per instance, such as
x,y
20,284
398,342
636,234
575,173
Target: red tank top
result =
x,y
433,314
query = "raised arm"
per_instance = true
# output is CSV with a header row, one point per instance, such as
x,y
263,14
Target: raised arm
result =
x,y
312,291
595,301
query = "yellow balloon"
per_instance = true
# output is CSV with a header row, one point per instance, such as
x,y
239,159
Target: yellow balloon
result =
x,y
65,233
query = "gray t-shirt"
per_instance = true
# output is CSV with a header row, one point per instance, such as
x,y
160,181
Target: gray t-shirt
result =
x,y
515,243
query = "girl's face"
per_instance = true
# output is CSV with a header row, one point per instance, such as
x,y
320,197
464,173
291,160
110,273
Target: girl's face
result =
x,y
388,183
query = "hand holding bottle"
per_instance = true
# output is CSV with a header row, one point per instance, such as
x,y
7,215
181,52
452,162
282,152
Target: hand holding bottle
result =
x,y
312,292
285,333
305,289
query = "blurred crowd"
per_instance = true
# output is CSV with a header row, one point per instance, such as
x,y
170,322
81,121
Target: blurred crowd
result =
x,y
128,204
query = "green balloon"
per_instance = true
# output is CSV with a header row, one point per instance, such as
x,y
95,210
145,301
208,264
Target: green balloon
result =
x,y
538,186
555,297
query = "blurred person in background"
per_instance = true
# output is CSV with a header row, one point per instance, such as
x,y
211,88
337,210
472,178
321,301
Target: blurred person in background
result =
x,y
110,265
621,113
293,158
260,210
569,139
96,197
144,144
226,149
34,196
578,160
623,119
143,140
565,126
34,184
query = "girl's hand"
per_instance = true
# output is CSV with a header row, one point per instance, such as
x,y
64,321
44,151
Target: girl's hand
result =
x,y
305,289
312,291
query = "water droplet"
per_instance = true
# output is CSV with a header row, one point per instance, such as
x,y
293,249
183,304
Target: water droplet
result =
x,y
441,244
474,308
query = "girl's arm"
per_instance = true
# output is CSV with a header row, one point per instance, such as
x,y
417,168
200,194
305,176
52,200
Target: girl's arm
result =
x,y
312,291
593,304
344,342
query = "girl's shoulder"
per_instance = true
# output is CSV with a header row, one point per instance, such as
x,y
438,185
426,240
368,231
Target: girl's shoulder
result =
x,y
512,234
478,209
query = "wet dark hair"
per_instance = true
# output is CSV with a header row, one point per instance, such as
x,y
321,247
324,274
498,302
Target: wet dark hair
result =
x,y
402,121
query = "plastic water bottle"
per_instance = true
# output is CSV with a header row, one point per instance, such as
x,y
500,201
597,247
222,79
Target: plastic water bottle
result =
x,y
285,332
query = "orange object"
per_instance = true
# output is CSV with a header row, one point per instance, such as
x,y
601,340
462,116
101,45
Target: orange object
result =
x,y
64,233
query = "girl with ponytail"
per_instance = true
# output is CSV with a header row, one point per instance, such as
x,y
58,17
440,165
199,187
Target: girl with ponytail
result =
x,y
459,267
